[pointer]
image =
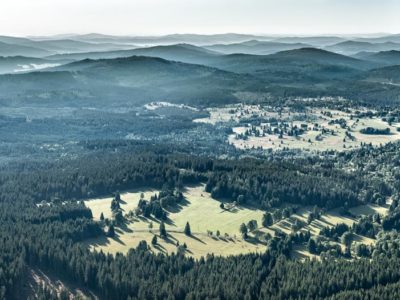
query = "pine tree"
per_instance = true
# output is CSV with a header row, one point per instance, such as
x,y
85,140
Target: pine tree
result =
x,y
187,229
163,231
267,220
252,225
243,230
111,231
312,246
154,240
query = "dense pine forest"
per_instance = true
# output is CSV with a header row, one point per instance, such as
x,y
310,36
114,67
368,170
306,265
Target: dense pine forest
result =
x,y
48,236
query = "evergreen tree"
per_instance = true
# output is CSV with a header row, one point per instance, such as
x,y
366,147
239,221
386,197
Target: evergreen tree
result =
x,y
163,231
119,218
154,240
252,225
243,230
346,238
312,246
267,220
187,229
111,231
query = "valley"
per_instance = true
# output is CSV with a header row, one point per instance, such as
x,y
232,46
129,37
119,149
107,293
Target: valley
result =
x,y
188,166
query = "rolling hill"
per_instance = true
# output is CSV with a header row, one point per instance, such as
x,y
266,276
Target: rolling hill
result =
x,y
7,49
195,39
255,47
13,64
53,46
353,47
134,79
386,75
387,58
316,41
394,38
306,65
179,52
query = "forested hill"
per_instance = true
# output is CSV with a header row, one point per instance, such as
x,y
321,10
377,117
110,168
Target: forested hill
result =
x,y
48,237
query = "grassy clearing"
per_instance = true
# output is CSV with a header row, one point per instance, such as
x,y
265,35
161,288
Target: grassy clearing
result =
x,y
329,219
203,214
308,140
197,246
311,139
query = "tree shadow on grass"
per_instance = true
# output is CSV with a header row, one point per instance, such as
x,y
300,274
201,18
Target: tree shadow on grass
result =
x,y
117,239
319,224
223,239
285,224
170,239
233,210
257,233
149,219
188,251
169,222
160,248
124,227
197,239
254,241
178,207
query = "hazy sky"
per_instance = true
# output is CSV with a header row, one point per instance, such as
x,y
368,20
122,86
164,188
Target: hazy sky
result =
x,y
41,17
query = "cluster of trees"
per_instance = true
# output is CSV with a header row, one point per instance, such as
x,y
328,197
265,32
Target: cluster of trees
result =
x,y
158,203
318,247
270,184
152,207
377,131
334,232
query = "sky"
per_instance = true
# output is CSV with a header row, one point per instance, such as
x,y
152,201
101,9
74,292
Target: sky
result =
x,y
157,17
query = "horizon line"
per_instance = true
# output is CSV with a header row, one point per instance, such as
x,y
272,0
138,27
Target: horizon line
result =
x,y
370,34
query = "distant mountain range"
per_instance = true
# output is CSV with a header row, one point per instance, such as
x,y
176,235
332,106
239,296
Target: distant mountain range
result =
x,y
7,49
388,58
195,39
255,47
102,70
189,48
353,47
179,52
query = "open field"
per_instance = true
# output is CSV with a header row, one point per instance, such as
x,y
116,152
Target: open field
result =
x,y
313,139
328,219
199,209
198,245
204,215
317,129
240,111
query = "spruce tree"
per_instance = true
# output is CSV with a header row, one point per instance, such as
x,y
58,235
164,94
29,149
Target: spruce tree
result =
x,y
243,230
267,220
187,229
163,231
111,231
